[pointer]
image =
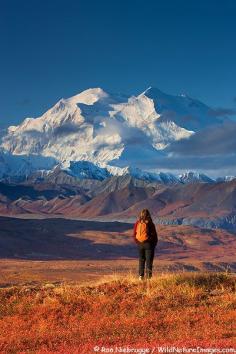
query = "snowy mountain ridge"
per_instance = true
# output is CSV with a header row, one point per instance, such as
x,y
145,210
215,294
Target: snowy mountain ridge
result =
x,y
94,126
19,168
115,133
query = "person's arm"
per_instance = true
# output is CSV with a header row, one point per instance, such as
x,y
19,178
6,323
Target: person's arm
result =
x,y
154,234
134,232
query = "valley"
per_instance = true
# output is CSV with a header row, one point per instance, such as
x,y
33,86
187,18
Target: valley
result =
x,y
60,249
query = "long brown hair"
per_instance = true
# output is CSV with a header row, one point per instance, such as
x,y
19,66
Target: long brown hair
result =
x,y
145,216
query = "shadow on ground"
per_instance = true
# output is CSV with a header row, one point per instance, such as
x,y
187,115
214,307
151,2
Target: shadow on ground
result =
x,y
63,239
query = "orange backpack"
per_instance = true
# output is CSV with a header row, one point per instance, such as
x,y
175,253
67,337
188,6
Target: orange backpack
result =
x,y
141,231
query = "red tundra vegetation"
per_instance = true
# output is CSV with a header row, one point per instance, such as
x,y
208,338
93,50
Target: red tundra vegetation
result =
x,y
184,309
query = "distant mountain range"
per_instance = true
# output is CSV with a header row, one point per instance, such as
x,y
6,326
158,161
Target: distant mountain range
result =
x,y
95,135
120,198
100,156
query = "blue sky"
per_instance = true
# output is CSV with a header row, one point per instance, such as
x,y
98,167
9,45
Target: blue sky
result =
x,y
53,49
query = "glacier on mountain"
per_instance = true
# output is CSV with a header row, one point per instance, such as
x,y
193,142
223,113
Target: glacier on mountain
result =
x,y
23,165
94,126
113,132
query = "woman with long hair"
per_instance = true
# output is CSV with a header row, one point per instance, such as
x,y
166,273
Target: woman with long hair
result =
x,y
146,238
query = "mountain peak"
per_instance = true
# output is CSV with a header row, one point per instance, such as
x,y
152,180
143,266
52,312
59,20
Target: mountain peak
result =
x,y
152,92
191,177
107,128
89,96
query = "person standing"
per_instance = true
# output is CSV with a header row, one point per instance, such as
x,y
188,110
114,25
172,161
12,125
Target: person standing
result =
x,y
145,236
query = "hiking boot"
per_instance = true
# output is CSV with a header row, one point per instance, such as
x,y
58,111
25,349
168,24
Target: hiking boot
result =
x,y
141,277
149,274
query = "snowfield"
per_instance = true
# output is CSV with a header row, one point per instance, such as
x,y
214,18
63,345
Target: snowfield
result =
x,y
112,132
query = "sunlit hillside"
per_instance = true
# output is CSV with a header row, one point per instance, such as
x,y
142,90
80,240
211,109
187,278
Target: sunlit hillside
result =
x,y
184,309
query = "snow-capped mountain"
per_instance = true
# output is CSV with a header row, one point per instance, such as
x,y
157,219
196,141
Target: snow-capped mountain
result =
x,y
22,165
225,179
191,177
115,133
183,110
167,178
87,170
95,126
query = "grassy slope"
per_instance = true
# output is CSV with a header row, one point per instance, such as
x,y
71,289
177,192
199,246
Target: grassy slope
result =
x,y
184,309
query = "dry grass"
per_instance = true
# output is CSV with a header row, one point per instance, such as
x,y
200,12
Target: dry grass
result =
x,y
185,308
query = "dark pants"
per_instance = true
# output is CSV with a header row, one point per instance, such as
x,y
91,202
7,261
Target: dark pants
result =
x,y
146,255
